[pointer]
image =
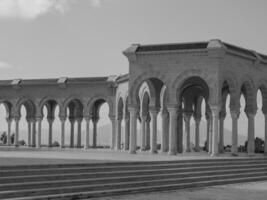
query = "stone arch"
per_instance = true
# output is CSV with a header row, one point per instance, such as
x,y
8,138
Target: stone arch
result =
x,y
8,107
51,103
181,79
30,107
101,99
248,89
262,86
137,82
120,108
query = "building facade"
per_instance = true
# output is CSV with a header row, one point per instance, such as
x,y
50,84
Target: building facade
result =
x,y
170,80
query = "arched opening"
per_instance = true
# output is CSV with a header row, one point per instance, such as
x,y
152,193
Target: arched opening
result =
x,y
149,96
74,121
51,124
101,136
5,120
190,95
27,111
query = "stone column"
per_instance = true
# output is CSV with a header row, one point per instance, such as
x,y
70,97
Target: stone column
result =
x,y
118,133
113,134
39,133
197,124
95,120
79,132
208,131
215,129
50,131
165,131
222,116
143,133
127,133
133,121
235,116
29,132
71,119
87,132
147,132
187,118
9,121
210,134
180,130
33,133
62,143
251,133
265,140
172,130
16,139
153,142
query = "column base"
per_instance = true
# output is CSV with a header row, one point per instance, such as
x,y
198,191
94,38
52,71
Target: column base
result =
x,y
86,147
172,153
153,152
214,154
132,152
234,154
187,150
251,154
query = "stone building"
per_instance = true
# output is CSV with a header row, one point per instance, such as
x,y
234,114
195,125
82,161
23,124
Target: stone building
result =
x,y
171,80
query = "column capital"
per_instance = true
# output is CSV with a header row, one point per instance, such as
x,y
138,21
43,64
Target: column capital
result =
x,y
187,115
50,119
16,118
8,119
133,111
222,115
39,118
235,114
172,110
215,110
79,119
87,117
197,120
62,118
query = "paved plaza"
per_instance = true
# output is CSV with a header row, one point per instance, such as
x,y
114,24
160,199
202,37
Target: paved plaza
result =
x,y
240,191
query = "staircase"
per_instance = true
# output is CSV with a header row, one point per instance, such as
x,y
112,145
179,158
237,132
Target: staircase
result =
x,y
79,181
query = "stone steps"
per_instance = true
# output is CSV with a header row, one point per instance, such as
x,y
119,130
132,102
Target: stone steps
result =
x,y
66,181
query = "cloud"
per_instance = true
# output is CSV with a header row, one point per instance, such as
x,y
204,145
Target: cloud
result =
x,y
96,3
31,9
4,65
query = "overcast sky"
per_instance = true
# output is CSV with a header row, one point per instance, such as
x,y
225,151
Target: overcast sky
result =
x,y
77,38
54,38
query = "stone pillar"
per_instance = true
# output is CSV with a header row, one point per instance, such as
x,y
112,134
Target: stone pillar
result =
x,y
87,132
50,131
222,116
251,133
9,121
165,131
113,134
127,133
147,132
210,134
62,142
71,119
95,120
197,124
172,130
143,133
208,131
118,133
265,140
215,129
16,138
235,116
29,132
33,133
79,132
180,131
39,132
133,124
153,142
187,118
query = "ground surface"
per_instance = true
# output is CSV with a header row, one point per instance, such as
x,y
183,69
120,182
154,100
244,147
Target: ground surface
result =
x,y
247,191
29,156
